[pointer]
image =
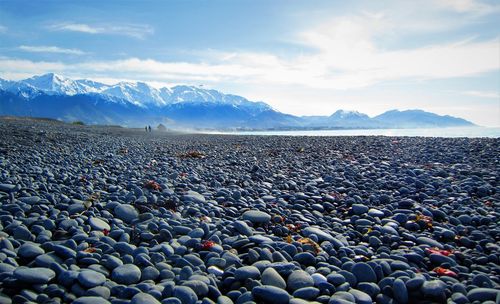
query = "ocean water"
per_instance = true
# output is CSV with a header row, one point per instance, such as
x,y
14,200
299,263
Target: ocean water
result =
x,y
432,132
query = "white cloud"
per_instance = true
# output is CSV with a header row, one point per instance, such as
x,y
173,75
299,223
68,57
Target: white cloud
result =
x,y
483,94
468,6
50,49
3,29
133,30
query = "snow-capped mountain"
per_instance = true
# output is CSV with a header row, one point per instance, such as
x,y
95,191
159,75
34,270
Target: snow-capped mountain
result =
x,y
138,103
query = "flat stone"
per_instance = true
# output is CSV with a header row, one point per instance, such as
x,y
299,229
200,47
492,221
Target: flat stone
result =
x,y
126,213
29,251
91,300
299,279
35,275
246,272
91,278
144,298
429,241
98,224
256,216
483,294
126,274
243,228
271,294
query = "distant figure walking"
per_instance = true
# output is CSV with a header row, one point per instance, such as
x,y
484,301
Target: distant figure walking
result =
x,y
146,128
149,128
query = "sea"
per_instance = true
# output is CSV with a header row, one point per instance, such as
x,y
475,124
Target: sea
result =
x,y
431,132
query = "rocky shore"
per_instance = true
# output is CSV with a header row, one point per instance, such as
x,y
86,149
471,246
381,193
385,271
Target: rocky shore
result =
x,y
92,215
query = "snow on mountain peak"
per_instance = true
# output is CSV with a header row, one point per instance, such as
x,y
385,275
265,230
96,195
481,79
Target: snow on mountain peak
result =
x,y
137,93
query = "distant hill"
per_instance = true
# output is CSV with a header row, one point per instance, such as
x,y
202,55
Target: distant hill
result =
x,y
139,104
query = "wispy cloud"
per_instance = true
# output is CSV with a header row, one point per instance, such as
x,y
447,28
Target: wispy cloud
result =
x,y
468,6
132,30
483,94
3,29
50,49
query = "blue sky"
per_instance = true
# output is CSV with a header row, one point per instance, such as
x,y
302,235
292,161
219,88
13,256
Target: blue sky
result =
x,y
302,57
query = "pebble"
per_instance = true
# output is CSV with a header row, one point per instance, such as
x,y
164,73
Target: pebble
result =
x,y
256,216
363,272
35,275
299,279
126,274
271,277
271,294
104,215
90,278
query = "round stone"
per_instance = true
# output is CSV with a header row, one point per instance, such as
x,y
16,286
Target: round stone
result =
x,y
299,279
29,251
126,274
256,216
35,275
247,272
400,292
359,209
363,272
98,224
91,300
126,213
91,278
271,294
271,277
144,298
185,294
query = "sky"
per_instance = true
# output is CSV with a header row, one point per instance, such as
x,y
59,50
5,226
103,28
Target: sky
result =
x,y
301,57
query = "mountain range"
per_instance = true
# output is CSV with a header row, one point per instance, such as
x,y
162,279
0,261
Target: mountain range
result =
x,y
138,104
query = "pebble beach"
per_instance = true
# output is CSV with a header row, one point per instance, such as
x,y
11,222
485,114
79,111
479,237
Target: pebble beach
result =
x,y
92,215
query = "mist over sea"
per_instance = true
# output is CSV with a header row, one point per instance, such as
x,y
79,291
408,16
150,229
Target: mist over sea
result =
x,y
491,132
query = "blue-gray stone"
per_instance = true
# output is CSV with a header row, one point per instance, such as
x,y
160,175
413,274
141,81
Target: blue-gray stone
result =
x,y
64,252
299,279
185,294
429,241
112,262
126,213
271,294
126,274
305,258
199,287
35,275
361,297
399,291
91,278
322,235
483,294
256,216
247,272
98,224
29,251
434,289
99,291
363,272
307,293
243,228
144,298
91,300
271,277
149,273
22,233
359,209
7,187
